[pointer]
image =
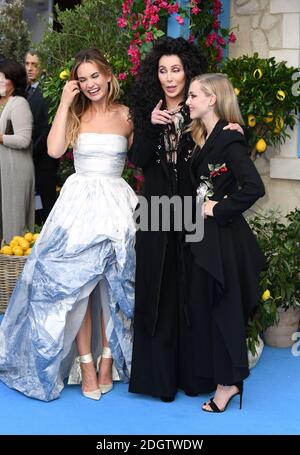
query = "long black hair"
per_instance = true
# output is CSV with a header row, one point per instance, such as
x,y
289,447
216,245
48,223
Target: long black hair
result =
x,y
16,73
146,90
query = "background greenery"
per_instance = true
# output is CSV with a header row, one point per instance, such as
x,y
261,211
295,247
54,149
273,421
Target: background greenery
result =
x,y
14,35
279,239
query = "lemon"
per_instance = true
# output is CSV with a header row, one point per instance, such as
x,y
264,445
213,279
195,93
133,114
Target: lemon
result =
x,y
35,237
269,117
279,124
7,250
28,236
17,237
24,244
13,243
261,145
257,74
17,251
266,295
236,91
64,75
251,120
27,252
280,95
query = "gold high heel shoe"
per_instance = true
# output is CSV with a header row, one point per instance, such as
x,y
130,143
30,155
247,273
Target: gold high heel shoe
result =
x,y
106,354
94,394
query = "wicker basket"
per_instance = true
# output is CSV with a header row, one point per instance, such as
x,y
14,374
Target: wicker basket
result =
x,y
10,269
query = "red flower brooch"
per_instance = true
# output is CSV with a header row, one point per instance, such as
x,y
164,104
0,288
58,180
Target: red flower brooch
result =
x,y
217,169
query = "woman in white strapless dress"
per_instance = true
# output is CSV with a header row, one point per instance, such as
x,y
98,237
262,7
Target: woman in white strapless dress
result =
x,y
74,300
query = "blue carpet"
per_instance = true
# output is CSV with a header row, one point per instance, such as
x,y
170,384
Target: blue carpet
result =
x,y
271,406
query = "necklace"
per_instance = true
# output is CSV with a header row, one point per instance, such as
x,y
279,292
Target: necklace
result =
x,y
177,108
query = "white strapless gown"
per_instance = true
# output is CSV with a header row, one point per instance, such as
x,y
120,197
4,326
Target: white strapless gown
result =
x,y
86,246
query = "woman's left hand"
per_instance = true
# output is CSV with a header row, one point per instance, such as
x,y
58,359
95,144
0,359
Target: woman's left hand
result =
x,y
234,127
207,208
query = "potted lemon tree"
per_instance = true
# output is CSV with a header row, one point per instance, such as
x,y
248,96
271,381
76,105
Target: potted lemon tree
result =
x,y
278,311
266,97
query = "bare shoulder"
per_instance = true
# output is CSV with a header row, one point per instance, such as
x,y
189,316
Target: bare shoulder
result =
x,y
122,110
123,115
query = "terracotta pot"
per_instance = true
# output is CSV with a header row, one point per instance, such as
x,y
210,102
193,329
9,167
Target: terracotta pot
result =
x,y
280,336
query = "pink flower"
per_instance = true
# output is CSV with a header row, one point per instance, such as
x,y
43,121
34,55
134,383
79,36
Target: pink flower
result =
x,y
219,55
172,9
180,20
232,37
216,24
149,36
139,177
221,41
195,10
121,22
154,19
217,8
210,39
163,4
126,6
191,39
122,76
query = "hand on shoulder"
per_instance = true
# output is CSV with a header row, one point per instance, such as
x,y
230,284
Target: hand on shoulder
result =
x,y
234,127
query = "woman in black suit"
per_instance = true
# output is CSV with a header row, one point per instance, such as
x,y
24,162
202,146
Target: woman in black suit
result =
x,y
223,281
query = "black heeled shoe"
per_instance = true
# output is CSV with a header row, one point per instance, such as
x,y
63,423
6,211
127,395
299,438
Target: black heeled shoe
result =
x,y
167,399
191,394
215,408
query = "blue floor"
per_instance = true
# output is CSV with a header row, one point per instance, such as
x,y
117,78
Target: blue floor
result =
x,y
271,406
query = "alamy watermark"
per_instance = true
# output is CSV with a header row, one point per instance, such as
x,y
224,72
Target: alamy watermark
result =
x,y
181,214
296,85
296,346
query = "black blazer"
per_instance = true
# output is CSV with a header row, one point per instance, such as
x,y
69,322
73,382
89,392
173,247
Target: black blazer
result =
x,y
41,128
239,180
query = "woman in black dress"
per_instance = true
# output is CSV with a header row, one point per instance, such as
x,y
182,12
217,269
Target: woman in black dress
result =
x,y
162,358
223,283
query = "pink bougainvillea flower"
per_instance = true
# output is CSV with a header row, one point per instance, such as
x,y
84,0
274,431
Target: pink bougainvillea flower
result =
x,y
122,76
232,37
121,22
180,20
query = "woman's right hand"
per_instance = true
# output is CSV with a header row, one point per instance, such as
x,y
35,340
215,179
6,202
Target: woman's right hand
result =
x,y
159,117
70,90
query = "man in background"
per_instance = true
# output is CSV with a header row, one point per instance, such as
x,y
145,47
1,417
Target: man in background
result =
x,y
45,166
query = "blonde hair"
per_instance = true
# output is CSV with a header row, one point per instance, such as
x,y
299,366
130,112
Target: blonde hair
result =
x,y
81,103
226,106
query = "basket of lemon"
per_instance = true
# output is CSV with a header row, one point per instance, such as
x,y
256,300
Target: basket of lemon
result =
x,y
12,259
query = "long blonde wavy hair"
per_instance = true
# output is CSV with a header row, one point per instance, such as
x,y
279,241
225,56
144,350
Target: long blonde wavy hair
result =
x,y
226,106
81,103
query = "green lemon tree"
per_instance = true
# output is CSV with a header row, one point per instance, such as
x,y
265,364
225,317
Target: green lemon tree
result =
x,y
268,103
